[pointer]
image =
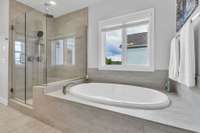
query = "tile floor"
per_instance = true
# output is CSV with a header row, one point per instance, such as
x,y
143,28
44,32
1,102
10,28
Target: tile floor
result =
x,y
12,121
29,101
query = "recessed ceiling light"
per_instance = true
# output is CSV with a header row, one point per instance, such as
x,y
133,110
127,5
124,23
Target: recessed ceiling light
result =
x,y
53,3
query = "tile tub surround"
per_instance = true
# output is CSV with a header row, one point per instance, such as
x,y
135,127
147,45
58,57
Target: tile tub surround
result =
x,y
74,115
155,80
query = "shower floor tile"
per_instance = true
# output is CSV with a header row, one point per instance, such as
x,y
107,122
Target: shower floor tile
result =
x,y
12,121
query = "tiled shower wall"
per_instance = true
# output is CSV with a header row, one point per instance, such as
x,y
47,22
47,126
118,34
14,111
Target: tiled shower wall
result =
x,y
75,24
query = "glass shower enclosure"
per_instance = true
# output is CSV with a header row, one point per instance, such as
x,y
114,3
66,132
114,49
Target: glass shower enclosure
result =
x,y
28,55
47,49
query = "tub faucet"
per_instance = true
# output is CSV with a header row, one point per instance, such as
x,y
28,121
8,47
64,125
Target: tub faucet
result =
x,y
169,87
67,87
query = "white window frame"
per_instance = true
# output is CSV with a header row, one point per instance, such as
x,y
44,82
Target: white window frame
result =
x,y
53,62
73,50
134,17
22,62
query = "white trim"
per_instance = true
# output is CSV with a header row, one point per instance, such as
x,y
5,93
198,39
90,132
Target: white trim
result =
x,y
64,39
3,101
126,25
118,21
127,68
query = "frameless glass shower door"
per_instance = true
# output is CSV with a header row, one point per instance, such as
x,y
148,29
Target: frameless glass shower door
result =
x,y
29,60
47,48
35,51
18,65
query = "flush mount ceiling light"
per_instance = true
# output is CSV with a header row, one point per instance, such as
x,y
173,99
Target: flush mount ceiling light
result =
x,y
50,3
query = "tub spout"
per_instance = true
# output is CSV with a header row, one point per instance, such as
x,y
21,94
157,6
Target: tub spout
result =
x,y
67,87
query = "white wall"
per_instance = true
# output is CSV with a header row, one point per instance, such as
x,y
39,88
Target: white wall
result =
x,y
4,45
165,28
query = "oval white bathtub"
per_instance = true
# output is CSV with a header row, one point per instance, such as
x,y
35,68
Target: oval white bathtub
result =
x,y
121,95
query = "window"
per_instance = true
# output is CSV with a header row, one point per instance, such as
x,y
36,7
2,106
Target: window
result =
x,y
126,42
63,51
70,50
113,47
59,52
19,52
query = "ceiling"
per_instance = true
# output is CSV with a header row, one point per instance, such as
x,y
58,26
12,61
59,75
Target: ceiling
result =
x,y
62,6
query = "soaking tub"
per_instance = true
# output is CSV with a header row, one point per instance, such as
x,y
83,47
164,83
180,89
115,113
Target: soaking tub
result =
x,y
121,95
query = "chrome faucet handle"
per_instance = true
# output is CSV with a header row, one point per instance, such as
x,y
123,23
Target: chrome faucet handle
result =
x,y
169,86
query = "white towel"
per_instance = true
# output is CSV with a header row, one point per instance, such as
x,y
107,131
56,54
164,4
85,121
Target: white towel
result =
x,y
174,60
187,56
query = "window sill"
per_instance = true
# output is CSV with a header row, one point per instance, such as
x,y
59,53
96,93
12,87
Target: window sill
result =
x,y
127,68
64,65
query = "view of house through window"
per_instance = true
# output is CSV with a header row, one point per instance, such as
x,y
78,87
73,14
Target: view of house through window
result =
x,y
69,45
19,52
128,45
63,51
137,44
127,41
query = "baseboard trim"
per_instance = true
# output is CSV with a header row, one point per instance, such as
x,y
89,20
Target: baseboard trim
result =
x,y
3,101
23,108
198,80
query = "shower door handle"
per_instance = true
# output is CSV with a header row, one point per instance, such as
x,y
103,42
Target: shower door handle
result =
x,y
39,59
30,59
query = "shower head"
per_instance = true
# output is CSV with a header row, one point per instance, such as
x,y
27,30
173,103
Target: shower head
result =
x,y
49,16
40,34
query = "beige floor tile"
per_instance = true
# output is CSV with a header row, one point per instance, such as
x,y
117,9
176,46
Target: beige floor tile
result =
x,y
12,121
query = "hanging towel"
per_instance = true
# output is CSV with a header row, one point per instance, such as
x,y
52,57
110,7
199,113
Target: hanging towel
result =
x,y
187,56
174,59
